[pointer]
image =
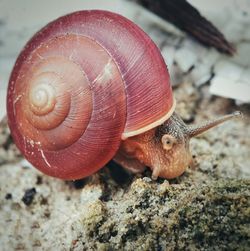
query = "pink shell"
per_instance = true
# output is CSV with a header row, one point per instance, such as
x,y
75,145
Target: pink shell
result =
x,y
110,76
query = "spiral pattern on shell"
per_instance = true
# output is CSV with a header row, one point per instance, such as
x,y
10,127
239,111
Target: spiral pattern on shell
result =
x,y
81,84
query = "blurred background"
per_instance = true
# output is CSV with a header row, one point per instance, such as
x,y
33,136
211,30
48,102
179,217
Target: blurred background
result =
x,y
19,20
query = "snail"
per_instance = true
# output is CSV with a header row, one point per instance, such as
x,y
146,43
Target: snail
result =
x,y
92,86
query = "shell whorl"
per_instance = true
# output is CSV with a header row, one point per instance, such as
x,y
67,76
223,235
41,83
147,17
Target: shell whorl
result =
x,y
79,85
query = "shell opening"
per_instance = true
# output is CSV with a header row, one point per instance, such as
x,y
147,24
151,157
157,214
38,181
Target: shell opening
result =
x,y
156,123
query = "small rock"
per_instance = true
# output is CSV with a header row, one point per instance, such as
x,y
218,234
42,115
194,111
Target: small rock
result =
x,y
228,70
185,59
168,53
227,87
8,196
29,196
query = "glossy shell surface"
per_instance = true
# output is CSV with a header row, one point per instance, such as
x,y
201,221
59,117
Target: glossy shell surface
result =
x,y
82,83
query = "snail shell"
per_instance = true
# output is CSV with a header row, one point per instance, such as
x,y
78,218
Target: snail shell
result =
x,y
82,84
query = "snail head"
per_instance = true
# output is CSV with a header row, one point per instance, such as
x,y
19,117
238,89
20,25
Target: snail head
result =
x,y
165,149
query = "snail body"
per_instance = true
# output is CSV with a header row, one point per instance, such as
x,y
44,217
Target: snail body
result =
x,y
88,87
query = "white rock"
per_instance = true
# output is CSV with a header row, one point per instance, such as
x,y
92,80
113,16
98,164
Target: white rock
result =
x,y
185,58
228,70
210,58
168,53
200,74
227,87
245,76
203,79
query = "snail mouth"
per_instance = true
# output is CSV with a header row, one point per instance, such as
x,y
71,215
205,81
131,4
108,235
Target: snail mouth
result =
x,y
173,163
